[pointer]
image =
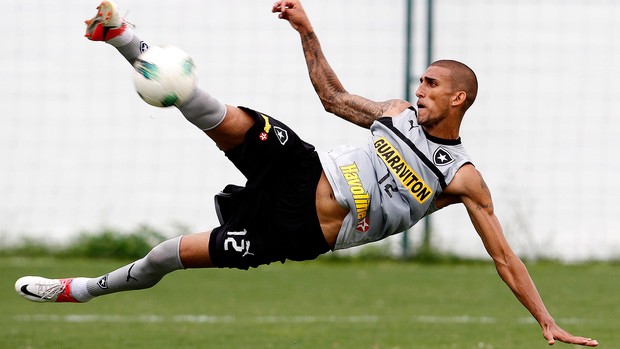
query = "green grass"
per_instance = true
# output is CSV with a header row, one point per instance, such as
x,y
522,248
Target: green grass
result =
x,y
314,305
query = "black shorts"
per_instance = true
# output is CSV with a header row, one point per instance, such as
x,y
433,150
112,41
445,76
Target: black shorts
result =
x,y
272,218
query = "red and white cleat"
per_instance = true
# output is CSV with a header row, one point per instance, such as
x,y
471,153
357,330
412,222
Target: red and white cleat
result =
x,y
38,289
106,24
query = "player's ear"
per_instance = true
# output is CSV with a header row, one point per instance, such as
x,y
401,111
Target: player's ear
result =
x,y
459,98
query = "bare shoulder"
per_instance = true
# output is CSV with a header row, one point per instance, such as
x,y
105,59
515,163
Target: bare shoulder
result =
x,y
468,183
360,110
394,107
466,178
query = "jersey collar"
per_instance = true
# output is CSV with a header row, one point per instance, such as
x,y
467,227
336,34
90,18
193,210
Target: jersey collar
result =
x,y
441,140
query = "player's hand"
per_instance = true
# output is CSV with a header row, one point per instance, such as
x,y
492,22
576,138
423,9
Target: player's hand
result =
x,y
293,12
554,332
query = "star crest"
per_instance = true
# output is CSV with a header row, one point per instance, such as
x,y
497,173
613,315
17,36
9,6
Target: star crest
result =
x,y
281,134
442,157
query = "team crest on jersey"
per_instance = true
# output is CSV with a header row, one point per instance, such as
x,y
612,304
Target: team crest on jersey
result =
x,y
442,157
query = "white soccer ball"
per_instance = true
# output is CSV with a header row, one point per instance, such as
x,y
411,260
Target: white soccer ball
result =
x,y
164,76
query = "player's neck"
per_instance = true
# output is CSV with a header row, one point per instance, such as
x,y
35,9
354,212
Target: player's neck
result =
x,y
443,130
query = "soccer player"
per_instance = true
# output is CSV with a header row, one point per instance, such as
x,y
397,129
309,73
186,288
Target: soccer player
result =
x,y
299,203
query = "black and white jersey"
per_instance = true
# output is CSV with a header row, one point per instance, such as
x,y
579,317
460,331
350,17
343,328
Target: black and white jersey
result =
x,y
392,182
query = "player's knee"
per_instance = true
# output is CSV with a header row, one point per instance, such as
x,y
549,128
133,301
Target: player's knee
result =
x,y
164,257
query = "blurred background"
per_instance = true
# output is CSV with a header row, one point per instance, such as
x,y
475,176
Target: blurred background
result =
x,y
79,150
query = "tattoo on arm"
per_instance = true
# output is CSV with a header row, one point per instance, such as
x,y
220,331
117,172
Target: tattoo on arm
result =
x,y
486,193
356,109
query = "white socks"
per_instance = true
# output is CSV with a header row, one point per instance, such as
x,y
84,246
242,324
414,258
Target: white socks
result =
x,y
79,291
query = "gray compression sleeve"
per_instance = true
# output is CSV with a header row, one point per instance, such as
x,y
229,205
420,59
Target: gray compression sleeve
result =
x,y
203,110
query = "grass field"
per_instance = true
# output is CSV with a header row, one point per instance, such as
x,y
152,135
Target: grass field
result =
x,y
314,305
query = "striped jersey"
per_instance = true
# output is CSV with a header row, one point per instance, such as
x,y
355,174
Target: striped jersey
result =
x,y
392,182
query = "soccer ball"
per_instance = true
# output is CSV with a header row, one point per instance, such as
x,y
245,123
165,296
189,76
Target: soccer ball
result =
x,y
164,76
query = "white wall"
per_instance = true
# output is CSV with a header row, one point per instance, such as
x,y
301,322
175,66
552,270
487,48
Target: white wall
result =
x,y
79,150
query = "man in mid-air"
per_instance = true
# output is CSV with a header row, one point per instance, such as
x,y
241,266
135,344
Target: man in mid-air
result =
x,y
299,203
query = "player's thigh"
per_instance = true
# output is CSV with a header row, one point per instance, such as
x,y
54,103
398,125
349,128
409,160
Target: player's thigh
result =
x,y
230,133
194,250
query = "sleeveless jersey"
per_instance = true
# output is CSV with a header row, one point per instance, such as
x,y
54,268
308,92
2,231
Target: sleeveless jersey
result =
x,y
392,182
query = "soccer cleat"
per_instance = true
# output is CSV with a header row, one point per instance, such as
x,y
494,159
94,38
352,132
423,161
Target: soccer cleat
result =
x,y
38,289
106,24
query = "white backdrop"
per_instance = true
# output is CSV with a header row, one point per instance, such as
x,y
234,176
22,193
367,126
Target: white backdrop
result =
x,y
79,150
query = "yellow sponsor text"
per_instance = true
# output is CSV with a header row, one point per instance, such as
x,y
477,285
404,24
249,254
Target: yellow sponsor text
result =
x,y
360,195
401,170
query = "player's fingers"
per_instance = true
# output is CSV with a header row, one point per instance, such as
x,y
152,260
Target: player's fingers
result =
x,y
279,6
285,9
589,342
549,337
592,343
288,5
554,333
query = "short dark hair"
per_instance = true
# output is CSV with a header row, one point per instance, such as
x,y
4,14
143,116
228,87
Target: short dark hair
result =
x,y
463,79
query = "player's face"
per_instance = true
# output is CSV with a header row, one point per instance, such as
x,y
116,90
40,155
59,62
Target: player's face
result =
x,y
434,96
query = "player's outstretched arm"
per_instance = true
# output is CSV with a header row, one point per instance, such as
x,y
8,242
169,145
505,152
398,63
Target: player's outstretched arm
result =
x,y
472,191
335,99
